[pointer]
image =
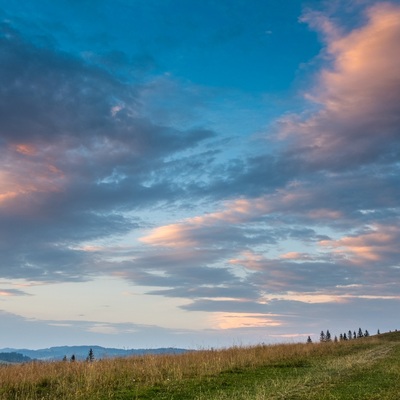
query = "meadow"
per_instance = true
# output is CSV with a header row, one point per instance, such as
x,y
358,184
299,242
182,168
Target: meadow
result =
x,y
367,368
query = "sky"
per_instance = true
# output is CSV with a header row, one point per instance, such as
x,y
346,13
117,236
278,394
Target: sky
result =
x,y
186,173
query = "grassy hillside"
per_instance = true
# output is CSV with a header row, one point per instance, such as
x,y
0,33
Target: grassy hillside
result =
x,y
367,368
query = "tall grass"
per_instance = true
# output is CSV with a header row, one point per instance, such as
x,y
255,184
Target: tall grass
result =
x,y
152,375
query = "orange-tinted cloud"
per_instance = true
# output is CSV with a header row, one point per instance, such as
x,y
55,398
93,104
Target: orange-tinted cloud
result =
x,y
296,199
294,255
26,149
306,297
174,235
243,320
189,232
12,292
26,170
250,260
358,96
379,244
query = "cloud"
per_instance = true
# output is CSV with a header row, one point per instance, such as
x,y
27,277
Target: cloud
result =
x,y
47,333
358,96
291,211
375,246
75,151
304,213
237,320
204,230
295,255
186,273
12,292
225,329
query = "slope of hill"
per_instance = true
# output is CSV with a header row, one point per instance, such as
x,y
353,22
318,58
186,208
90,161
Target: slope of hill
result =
x,y
365,368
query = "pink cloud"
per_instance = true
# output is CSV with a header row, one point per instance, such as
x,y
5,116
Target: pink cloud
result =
x,y
379,244
174,235
294,255
25,148
189,232
296,199
251,260
27,171
358,95
244,320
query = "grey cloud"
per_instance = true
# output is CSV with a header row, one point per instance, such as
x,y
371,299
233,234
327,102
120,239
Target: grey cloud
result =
x,y
252,176
349,195
294,316
62,101
165,259
45,262
84,161
336,277
241,290
278,276
371,314
182,275
228,306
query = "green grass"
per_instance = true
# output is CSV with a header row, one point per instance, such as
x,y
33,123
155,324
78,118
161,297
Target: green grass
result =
x,y
362,369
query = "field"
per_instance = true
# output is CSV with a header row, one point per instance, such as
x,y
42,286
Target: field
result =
x,y
362,369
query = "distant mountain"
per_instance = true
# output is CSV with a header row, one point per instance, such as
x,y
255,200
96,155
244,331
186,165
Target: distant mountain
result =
x,y
13,357
81,352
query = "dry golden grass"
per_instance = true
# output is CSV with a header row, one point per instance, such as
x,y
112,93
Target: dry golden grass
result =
x,y
131,377
83,380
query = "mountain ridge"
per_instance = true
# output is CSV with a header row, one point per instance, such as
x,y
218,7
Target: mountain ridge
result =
x,y
81,351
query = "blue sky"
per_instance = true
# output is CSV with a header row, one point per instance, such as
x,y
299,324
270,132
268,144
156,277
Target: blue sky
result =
x,y
198,173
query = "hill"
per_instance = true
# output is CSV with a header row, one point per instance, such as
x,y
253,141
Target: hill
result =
x,y
365,368
13,357
81,352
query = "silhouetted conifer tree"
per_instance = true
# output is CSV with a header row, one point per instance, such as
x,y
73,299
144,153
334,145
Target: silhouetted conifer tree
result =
x,y
309,340
322,337
73,358
328,336
349,335
360,334
90,357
